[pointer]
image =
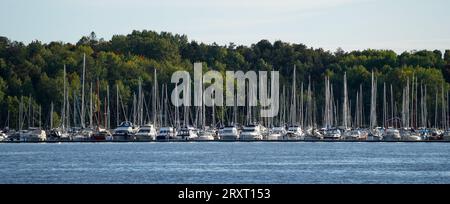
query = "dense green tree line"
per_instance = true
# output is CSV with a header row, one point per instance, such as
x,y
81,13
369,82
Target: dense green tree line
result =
x,y
36,69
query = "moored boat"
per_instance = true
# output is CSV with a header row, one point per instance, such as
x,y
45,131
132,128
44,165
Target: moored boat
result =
x,y
166,134
101,134
391,134
354,135
252,132
294,132
125,131
146,132
33,134
277,133
187,133
229,133
332,134
205,135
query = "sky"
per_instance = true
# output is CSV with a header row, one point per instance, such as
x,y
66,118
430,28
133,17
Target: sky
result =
x,y
399,25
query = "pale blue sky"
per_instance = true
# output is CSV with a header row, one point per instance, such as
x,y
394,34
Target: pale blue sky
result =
x,y
351,24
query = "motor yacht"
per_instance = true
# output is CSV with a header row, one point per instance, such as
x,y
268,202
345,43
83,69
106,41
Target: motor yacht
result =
x,y
166,134
252,132
229,133
125,131
146,132
277,133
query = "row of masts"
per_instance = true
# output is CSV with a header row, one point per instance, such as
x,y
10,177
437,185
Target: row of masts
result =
x,y
297,108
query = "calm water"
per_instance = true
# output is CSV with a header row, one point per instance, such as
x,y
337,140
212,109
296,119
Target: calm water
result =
x,y
225,163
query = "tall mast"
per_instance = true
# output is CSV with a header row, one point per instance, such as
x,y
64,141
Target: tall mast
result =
x,y
98,104
74,110
140,104
444,117
357,110
214,113
51,115
108,124
63,115
411,105
301,105
384,105
67,107
392,106
294,101
415,103
435,109
165,103
203,111
345,111
91,112
446,113
361,107
105,112
234,108
82,91
176,109
425,107
309,104
117,104
155,98
373,113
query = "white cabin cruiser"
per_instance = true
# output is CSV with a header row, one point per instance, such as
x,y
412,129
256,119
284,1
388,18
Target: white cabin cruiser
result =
x,y
205,135
124,131
332,134
354,135
277,133
187,133
146,132
252,132
166,133
408,134
294,133
229,133
391,134
33,134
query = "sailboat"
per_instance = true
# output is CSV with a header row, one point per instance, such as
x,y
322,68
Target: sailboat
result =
x,y
82,133
166,132
100,133
294,130
252,130
205,133
278,131
231,131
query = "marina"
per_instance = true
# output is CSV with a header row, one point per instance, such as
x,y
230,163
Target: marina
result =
x,y
151,117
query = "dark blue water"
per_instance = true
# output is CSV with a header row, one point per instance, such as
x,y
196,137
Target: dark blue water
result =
x,y
225,163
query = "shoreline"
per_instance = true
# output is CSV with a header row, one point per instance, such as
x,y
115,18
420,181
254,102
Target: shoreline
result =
x,y
231,141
